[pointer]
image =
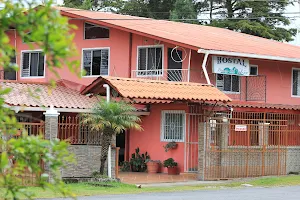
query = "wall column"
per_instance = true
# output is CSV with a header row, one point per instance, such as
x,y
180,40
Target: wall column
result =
x,y
201,150
51,132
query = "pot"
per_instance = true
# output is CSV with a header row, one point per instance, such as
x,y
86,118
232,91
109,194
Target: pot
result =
x,y
172,171
152,167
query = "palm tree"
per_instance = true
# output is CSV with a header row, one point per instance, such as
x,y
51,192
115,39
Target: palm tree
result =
x,y
111,118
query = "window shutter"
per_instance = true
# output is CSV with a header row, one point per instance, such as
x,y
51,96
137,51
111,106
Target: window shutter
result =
x,y
296,82
142,59
87,61
25,64
104,62
34,62
41,66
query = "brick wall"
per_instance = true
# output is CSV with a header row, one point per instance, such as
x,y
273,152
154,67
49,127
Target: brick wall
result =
x,y
87,161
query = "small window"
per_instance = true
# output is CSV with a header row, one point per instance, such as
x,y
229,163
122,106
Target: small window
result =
x,y
92,31
95,62
228,83
33,64
9,73
296,82
150,61
253,70
173,126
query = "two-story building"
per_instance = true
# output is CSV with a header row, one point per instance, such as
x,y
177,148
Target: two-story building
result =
x,y
229,100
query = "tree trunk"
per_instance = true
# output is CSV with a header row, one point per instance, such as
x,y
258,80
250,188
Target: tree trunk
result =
x,y
106,140
229,8
211,10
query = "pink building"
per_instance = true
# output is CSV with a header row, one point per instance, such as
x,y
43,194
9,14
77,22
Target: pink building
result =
x,y
181,78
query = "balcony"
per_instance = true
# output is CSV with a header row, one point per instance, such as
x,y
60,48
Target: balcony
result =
x,y
177,75
251,88
8,75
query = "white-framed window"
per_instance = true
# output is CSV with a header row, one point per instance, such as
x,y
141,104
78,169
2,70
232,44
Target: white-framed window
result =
x,y
173,125
150,61
93,31
228,83
296,82
33,64
253,70
95,62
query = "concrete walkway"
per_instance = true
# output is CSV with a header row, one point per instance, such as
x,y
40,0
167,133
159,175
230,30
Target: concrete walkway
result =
x,y
182,183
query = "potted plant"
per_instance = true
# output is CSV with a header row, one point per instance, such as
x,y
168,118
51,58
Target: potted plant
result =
x,y
152,166
170,145
171,165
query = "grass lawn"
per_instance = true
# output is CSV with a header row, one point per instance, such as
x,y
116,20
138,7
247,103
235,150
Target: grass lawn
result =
x,y
84,189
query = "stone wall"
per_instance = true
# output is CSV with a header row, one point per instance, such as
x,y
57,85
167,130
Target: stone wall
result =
x,y
87,161
293,159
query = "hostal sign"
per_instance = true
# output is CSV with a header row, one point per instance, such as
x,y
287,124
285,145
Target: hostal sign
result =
x,y
232,66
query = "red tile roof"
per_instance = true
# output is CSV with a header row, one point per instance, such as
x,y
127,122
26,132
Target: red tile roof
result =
x,y
142,89
41,95
242,104
191,35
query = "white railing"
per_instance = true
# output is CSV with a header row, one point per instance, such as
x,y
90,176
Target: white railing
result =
x,y
179,75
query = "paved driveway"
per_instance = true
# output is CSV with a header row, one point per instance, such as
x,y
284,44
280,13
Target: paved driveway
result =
x,y
280,193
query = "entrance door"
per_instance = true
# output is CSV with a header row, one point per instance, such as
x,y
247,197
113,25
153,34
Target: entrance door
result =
x,y
174,65
120,142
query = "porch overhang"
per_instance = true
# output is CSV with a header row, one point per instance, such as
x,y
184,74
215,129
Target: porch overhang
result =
x,y
152,91
39,97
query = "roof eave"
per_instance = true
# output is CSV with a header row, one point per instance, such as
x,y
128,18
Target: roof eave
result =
x,y
248,55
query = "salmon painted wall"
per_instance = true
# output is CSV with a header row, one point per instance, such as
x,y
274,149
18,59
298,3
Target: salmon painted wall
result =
x,y
278,78
119,45
149,138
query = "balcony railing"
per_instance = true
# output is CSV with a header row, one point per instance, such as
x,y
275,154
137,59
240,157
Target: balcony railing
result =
x,y
179,75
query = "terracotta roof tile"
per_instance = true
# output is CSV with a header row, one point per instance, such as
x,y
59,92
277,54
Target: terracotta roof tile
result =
x,y
158,90
192,35
243,104
41,95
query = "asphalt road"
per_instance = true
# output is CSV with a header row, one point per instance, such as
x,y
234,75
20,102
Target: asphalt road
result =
x,y
278,193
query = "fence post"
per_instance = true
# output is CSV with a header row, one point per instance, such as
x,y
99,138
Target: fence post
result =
x,y
201,150
51,131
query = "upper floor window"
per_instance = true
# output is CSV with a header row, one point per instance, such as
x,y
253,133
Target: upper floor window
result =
x,y
95,62
296,82
253,70
228,83
150,61
173,126
33,64
92,31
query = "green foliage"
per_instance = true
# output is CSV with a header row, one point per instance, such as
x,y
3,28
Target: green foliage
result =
x,y
170,163
170,145
125,166
138,161
260,18
111,118
184,9
39,28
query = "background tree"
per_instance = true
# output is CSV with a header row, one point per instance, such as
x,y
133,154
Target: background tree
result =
x,y
17,155
184,9
260,18
111,118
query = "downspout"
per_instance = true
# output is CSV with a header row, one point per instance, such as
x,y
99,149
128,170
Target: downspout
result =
x,y
130,55
189,66
204,67
109,148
